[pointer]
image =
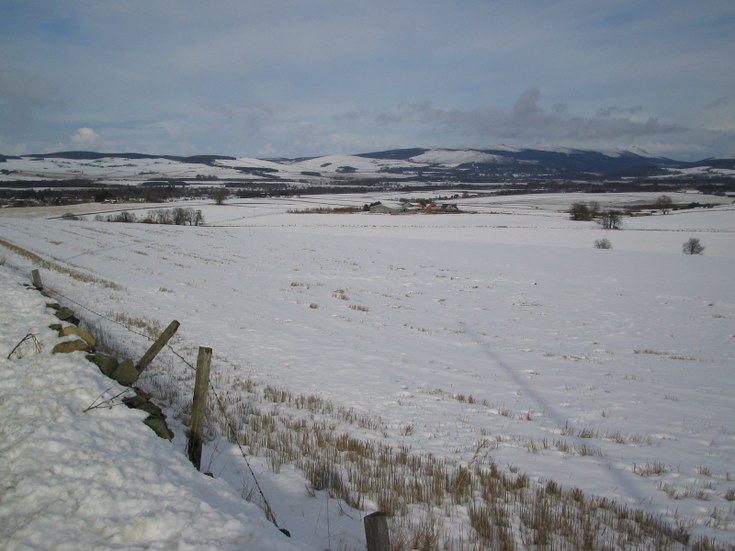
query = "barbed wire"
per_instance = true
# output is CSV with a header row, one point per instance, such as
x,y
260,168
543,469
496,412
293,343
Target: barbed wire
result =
x,y
270,514
230,425
77,303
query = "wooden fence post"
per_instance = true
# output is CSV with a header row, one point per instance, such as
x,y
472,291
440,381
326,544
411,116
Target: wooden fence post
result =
x,y
199,407
376,532
156,346
36,277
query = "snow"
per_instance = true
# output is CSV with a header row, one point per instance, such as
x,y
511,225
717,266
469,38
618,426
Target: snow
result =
x,y
456,157
134,171
331,164
97,479
704,171
394,317
111,169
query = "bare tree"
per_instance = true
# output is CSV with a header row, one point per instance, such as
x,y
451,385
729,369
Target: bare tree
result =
x,y
692,246
664,204
610,220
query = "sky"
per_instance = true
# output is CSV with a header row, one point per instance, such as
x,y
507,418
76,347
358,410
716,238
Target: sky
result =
x,y
294,78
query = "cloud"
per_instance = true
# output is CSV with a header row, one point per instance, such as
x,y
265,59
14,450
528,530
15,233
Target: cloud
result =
x,y
250,75
528,122
86,138
20,96
718,103
526,107
611,111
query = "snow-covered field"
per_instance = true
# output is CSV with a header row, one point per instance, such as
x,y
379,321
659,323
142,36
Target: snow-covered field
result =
x,y
504,331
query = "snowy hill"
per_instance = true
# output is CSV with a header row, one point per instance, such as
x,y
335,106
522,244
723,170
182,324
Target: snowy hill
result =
x,y
498,163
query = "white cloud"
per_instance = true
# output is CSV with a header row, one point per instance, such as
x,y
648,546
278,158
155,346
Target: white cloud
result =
x,y
85,137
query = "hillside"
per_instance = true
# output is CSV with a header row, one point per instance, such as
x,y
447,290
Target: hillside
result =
x,y
416,363
419,165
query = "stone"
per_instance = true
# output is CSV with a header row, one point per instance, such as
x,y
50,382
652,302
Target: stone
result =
x,y
159,426
142,403
125,373
81,333
156,419
66,314
107,364
69,346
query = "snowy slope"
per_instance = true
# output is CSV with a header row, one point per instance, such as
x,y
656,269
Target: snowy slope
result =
x,y
108,169
627,352
121,170
136,168
332,164
455,157
98,479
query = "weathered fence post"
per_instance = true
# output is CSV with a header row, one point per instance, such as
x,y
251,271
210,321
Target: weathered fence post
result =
x,y
36,277
156,346
376,532
199,407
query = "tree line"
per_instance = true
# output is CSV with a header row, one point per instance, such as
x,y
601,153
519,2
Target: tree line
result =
x,y
177,216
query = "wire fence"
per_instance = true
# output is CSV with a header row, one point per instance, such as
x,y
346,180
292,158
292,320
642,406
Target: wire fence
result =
x,y
270,514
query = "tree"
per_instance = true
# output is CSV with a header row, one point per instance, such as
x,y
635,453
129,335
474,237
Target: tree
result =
x,y
664,204
580,211
219,195
611,220
124,216
180,216
603,244
692,246
594,208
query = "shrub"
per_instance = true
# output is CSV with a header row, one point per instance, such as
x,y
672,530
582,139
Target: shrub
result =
x,y
603,244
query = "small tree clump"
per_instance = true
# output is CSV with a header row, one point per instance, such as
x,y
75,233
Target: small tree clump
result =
x,y
611,220
177,216
603,244
692,246
580,211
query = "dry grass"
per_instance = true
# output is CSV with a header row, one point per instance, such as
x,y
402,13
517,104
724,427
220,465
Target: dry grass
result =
x,y
652,468
432,503
150,328
424,495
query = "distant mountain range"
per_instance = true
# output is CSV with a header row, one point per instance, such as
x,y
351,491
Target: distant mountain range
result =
x,y
499,164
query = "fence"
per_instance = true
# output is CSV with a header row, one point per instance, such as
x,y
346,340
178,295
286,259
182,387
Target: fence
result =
x,y
375,524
